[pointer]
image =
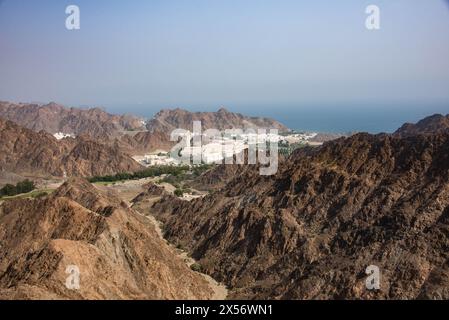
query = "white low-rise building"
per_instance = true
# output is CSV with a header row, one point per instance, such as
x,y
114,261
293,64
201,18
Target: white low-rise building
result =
x,y
215,152
61,135
157,160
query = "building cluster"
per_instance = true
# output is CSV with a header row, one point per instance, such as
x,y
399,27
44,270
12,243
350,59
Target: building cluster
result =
x,y
215,150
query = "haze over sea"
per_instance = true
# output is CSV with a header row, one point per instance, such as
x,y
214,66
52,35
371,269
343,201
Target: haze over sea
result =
x,y
319,118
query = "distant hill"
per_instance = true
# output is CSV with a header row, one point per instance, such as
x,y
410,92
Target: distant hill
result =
x,y
168,120
436,123
54,118
100,125
26,152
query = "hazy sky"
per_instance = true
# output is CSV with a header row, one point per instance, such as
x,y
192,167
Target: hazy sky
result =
x,y
225,52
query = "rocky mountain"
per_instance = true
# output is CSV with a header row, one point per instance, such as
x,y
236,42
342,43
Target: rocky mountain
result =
x,y
220,175
97,124
146,141
323,137
117,252
163,123
430,125
168,120
54,118
26,152
310,231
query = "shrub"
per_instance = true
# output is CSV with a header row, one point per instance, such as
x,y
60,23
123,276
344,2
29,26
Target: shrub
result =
x,y
187,190
196,267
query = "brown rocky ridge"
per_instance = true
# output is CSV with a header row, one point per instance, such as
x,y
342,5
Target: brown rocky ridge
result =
x,y
118,252
436,123
26,152
168,120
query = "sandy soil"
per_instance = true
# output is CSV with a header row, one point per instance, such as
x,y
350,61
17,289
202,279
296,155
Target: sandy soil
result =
x,y
127,190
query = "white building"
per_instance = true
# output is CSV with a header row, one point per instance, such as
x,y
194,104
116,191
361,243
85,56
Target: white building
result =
x,y
156,160
61,135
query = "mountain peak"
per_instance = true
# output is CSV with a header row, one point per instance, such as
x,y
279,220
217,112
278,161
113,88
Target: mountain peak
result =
x,y
436,123
223,110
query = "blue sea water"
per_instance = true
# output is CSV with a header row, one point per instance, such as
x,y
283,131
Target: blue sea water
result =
x,y
325,118
345,119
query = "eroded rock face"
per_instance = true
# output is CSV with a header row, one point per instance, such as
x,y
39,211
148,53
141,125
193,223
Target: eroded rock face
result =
x,y
310,231
147,141
151,191
118,251
24,151
436,123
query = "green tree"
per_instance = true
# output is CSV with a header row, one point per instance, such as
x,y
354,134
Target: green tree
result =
x,y
179,192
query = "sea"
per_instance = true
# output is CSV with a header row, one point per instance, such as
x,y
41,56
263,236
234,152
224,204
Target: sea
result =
x,y
371,118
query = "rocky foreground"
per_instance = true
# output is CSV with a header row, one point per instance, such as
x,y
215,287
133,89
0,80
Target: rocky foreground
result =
x,y
118,251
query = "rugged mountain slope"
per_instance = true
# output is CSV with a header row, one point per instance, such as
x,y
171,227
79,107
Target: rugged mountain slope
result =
x,y
430,125
118,252
146,141
54,118
310,231
24,151
168,120
219,176
9,178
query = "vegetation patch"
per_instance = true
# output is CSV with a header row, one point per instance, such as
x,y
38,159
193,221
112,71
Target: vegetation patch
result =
x,y
196,267
10,190
155,171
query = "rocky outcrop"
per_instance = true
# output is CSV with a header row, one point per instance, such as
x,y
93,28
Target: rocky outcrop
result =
x,y
117,251
24,151
90,158
151,190
147,141
310,231
436,123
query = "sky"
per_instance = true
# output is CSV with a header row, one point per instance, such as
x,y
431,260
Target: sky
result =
x,y
269,54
